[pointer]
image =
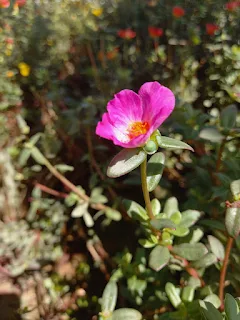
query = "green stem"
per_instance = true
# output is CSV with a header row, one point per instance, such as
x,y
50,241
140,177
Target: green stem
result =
x,y
145,189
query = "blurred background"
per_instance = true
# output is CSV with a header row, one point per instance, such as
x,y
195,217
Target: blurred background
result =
x,y
61,61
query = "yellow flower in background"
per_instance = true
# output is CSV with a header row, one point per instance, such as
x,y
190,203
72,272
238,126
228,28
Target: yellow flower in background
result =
x,y
49,42
8,52
9,74
24,69
97,12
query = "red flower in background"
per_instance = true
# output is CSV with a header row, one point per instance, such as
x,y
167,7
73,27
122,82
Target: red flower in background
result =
x,y
178,12
9,40
126,34
232,5
112,54
155,32
4,3
20,3
211,29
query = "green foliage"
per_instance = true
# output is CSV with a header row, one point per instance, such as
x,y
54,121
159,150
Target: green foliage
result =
x,y
125,161
210,312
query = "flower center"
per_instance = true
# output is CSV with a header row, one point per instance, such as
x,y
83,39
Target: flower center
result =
x,y
137,128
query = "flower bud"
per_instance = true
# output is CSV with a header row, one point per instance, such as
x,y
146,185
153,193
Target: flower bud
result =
x,y
150,147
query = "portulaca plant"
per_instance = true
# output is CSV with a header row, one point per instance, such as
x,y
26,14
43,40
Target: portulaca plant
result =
x,y
133,121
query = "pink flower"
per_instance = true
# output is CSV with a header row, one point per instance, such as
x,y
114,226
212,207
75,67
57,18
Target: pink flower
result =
x,y
132,117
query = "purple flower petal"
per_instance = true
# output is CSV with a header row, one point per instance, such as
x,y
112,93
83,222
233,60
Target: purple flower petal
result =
x,y
158,102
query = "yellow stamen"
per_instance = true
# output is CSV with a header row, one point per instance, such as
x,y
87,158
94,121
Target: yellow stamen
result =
x,y
137,128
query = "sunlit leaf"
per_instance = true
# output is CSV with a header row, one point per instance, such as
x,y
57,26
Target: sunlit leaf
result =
x,y
125,161
211,134
155,168
79,210
173,294
216,247
214,299
160,224
189,251
135,211
205,261
109,297
165,142
189,218
159,258
209,311
232,221
126,314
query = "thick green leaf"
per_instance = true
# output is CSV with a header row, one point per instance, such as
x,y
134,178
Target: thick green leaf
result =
x,y
189,251
173,294
235,187
34,139
165,142
211,134
232,221
97,196
146,243
80,210
156,206
24,156
205,261
171,206
214,299
179,232
135,211
159,257
228,117
189,218
212,224
194,282
160,224
155,168
38,156
125,161
63,168
109,297
88,219
209,311
126,314
188,293
231,308
113,214
216,247
136,285
24,128
176,217
196,235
